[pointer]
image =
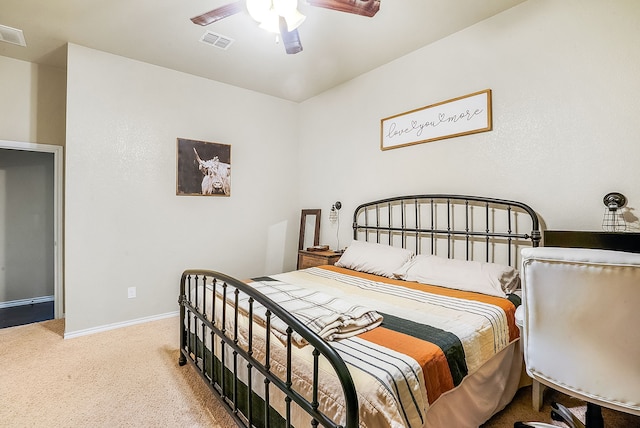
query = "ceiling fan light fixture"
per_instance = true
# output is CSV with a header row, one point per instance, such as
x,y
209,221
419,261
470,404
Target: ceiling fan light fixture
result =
x,y
294,19
288,9
258,9
268,13
270,23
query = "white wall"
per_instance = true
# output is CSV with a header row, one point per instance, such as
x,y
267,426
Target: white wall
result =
x,y
125,226
564,77
33,99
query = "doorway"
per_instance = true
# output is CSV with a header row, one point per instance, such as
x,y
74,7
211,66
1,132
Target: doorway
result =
x,y
31,229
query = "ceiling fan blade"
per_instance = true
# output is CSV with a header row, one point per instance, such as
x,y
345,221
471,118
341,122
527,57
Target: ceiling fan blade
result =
x,y
359,7
290,39
218,14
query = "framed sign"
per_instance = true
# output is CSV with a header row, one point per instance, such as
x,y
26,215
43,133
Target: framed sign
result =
x,y
464,115
203,168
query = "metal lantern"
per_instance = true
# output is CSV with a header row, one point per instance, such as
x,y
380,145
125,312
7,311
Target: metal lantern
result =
x,y
613,220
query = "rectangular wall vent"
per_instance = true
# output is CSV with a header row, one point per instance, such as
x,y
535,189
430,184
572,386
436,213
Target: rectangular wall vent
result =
x,y
217,40
12,35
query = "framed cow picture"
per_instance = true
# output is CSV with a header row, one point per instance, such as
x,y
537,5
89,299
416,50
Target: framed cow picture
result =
x,y
203,168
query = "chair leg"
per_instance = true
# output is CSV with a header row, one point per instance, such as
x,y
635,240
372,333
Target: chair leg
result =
x,y
593,418
561,413
537,394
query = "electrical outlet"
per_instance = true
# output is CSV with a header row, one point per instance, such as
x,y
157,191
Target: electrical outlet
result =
x,y
131,292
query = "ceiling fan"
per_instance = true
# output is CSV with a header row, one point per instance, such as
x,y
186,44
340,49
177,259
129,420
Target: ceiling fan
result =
x,y
282,16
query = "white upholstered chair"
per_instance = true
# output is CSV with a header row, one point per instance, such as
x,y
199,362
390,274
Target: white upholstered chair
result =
x,y
581,328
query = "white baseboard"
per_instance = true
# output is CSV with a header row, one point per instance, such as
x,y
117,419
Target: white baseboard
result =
x,y
85,332
22,302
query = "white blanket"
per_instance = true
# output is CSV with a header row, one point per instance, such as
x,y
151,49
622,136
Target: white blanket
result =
x,y
329,317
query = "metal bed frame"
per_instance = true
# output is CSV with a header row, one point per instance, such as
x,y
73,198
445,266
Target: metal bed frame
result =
x,y
430,220
193,351
425,222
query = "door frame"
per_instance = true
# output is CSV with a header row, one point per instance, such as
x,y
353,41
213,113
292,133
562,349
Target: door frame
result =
x,y
58,236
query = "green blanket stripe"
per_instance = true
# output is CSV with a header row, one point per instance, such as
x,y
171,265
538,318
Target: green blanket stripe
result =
x,y
515,299
257,403
448,342
263,278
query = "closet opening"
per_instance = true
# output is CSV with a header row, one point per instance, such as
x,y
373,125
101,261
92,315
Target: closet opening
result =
x,y
31,286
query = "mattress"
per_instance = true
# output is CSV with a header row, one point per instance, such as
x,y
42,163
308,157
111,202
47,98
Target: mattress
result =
x,y
440,358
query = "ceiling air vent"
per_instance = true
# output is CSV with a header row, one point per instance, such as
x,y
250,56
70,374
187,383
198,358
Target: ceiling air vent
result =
x,y
12,35
217,40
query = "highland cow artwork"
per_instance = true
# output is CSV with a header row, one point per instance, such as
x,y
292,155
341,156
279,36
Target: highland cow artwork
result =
x,y
203,168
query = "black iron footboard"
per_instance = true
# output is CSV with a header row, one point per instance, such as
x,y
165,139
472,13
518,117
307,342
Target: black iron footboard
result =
x,y
210,341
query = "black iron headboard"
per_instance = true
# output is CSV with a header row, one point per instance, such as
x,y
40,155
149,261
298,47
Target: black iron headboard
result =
x,y
458,226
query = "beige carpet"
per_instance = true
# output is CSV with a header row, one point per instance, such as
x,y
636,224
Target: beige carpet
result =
x,y
130,377
521,409
127,377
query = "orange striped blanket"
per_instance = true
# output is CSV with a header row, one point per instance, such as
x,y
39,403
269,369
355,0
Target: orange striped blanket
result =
x,y
429,340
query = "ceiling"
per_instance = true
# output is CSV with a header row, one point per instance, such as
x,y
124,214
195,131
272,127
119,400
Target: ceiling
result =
x,y
337,46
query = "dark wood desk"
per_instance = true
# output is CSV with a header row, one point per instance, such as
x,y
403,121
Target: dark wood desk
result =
x,y
619,241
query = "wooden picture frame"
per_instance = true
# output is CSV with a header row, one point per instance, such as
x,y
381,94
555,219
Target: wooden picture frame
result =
x,y
203,168
468,114
304,220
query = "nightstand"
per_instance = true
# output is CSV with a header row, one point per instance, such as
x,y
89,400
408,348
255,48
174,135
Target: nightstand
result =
x,y
307,259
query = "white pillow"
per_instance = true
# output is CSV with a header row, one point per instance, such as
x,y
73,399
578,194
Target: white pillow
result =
x,y
374,258
488,278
